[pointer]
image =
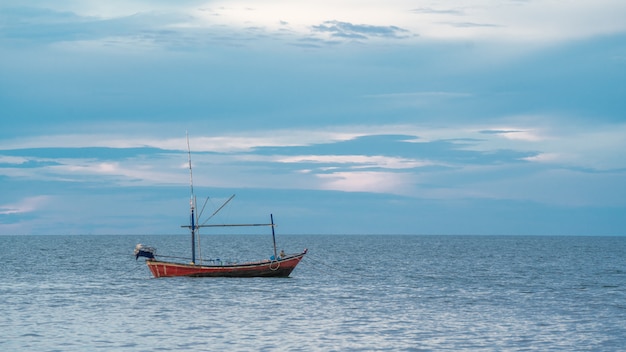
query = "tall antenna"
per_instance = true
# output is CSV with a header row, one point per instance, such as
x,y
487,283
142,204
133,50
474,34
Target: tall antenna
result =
x,y
189,158
191,205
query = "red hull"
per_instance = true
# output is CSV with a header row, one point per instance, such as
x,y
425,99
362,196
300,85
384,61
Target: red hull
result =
x,y
280,268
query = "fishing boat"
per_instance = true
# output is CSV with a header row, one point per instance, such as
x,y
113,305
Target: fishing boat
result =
x,y
277,265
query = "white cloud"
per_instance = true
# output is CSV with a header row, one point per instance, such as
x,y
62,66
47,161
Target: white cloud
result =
x,y
225,142
542,21
516,134
232,160
26,205
131,171
368,181
597,146
300,16
125,171
4,159
580,145
543,157
357,161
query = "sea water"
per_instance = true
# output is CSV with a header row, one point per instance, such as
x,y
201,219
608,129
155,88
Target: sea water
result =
x,y
350,293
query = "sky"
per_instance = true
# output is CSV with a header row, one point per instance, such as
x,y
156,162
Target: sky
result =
x,y
337,117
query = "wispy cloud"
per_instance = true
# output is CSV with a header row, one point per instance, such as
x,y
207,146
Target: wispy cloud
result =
x,y
8,160
25,205
338,29
437,11
226,142
513,134
357,161
543,157
601,143
368,181
472,25
195,25
48,26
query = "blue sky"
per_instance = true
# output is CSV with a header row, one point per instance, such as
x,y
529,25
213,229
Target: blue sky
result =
x,y
339,117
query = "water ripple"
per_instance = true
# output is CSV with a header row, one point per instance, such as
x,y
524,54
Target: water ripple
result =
x,y
352,293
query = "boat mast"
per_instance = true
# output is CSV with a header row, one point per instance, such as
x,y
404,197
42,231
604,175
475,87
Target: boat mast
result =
x,y
191,206
273,236
194,225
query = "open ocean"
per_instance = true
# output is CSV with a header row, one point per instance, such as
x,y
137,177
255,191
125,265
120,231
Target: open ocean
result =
x,y
350,293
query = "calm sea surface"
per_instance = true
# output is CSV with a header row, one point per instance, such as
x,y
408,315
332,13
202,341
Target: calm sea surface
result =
x,y
350,293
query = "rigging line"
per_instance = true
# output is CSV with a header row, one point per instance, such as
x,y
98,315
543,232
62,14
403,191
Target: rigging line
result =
x,y
320,270
218,209
318,261
199,245
202,211
169,256
326,269
135,270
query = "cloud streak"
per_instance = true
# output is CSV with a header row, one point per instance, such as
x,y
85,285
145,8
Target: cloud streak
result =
x,y
461,152
26,205
338,29
357,161
191,25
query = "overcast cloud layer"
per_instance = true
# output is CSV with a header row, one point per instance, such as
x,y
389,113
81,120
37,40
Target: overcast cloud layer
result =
x,y
417,117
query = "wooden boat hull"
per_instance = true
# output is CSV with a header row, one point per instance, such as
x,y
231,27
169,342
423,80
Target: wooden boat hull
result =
x,y
275,268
